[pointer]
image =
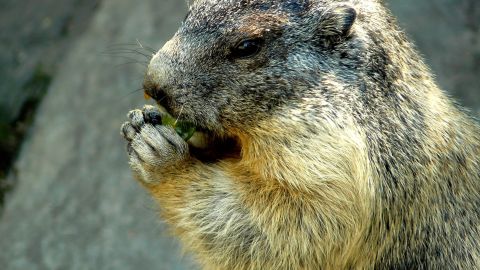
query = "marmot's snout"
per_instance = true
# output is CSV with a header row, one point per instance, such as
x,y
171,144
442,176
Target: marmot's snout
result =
x,y
169,81
154,90
160,78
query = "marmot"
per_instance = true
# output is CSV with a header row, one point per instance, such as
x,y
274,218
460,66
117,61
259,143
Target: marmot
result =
x,y
328,143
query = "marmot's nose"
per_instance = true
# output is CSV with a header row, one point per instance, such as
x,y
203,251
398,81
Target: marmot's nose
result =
x,y
161,74
158,78
153,90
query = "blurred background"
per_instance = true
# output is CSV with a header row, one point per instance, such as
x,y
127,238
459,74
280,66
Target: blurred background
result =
x,y
69,72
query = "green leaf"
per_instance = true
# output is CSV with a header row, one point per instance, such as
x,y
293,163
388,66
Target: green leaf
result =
x,y
184,129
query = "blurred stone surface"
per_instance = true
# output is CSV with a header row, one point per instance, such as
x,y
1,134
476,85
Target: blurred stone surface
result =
x,y
34,37
447,33
76,205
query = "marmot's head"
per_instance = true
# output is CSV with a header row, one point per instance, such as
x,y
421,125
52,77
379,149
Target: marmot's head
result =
x,y
233,63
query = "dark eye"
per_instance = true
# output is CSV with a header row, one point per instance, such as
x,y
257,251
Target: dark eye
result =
x,y
247,48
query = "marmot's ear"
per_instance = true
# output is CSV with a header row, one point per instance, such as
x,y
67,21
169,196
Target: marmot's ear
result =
x,y
337,21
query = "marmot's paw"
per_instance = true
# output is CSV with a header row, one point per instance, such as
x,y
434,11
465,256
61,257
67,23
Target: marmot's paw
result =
x,y
152,148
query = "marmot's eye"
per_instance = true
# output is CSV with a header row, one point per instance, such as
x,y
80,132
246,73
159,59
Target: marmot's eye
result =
x,y
247,48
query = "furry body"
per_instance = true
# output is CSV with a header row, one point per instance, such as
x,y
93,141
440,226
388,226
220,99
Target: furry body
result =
x,y
346,154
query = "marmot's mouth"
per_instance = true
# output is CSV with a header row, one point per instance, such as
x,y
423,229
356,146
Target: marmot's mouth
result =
x,y
215,149
208,146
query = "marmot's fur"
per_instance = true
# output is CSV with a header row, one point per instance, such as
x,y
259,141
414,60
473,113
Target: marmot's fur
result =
x,y
329,145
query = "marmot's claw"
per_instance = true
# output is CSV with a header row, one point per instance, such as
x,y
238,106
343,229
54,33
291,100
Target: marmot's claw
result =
x,y
128,131
136,119
151,146
152,115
